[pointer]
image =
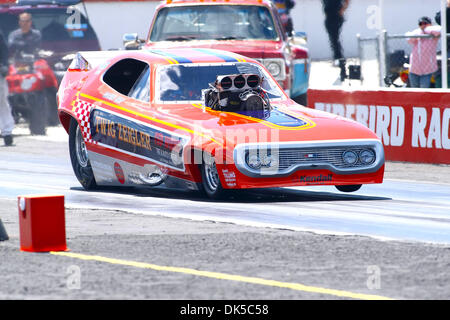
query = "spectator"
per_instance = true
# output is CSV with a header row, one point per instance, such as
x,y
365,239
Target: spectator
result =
x,y
25,39
423,56
6,119
438,21
284,8
334,20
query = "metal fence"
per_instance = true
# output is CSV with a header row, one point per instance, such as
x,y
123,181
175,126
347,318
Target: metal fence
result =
x,y
384,59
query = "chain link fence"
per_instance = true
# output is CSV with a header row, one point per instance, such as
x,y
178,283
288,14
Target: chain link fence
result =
x,y
385,59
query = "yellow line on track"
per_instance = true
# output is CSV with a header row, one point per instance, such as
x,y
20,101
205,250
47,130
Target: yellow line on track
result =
x,y
224,276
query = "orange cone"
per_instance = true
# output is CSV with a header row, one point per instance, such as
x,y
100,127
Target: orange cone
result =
x,y
42,223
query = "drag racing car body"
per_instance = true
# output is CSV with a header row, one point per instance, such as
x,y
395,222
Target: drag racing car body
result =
x,y
252,28
203,119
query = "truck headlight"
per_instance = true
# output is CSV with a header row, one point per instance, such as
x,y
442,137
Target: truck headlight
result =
x,y
276,67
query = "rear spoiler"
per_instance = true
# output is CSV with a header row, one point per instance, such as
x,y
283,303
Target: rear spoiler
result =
x,y
88,60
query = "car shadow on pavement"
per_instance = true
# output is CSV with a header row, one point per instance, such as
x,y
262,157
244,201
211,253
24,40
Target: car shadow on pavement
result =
x,y
266,195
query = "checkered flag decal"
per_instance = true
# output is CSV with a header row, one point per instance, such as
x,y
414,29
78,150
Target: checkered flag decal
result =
x,y
82,110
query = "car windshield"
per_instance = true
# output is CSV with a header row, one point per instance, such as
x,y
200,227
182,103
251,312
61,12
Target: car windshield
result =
x,y
220,22
185,82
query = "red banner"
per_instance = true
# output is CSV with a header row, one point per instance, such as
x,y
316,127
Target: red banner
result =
x,y
14,1
413,125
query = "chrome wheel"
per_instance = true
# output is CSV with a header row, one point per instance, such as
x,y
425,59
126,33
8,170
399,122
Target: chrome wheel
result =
x,y
80,149
211,175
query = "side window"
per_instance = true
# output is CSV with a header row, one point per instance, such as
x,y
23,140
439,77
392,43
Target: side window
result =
x,y
124,74
141,89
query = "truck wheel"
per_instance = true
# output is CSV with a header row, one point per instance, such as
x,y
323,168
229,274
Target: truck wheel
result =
x,y
79,157
38,113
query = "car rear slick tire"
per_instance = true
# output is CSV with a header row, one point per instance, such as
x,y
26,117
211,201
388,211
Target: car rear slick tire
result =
x,y
211,184
349,188
79,157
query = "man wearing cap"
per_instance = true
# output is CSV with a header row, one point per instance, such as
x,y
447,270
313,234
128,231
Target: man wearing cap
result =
x,y
423,56
284,8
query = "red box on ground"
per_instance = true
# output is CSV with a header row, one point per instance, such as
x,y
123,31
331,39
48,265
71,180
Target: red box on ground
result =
x,y
42,223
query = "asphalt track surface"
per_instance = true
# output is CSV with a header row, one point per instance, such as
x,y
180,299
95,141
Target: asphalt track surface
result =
x,y
388,241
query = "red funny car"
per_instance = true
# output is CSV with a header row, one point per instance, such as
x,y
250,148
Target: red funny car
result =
x,y
252,28
205,119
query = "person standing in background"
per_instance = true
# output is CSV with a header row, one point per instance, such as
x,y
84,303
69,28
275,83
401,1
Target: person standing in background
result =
x,y
423,62
25,39
334,19
284,8
6,119
437,17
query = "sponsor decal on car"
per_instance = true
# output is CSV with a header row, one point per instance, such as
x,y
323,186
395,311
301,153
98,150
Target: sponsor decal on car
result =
x,y
119,173
230,178
314,179
136,138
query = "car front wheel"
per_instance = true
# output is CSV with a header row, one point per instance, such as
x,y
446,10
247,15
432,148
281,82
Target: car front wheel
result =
x,y
210,178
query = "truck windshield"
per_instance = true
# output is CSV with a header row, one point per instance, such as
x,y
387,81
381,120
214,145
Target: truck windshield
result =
x,y
219,22
185,82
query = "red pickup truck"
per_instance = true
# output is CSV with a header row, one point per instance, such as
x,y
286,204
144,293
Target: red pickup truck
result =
x,y
248,27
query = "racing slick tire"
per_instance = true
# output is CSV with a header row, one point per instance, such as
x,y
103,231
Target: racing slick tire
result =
x,y
211,185
38,114
349,188
79,157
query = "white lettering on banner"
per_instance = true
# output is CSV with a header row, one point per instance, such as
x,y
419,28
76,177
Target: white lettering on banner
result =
x,y
389,123
383,121
350,110
339,109
434,133
446,129
397,126
376,118
418,130
437,132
